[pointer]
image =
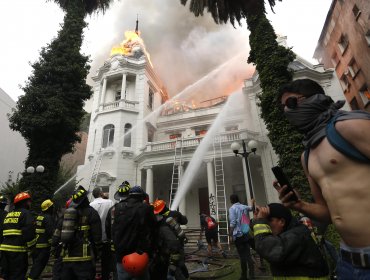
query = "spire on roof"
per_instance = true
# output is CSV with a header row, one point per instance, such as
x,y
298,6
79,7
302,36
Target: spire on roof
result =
x,y
137,25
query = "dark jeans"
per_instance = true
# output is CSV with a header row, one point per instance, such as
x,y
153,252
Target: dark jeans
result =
x,y
106,261
78,270
242,246
346,271
14,265
40,258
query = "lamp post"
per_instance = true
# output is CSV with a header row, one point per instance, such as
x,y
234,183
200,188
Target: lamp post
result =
x,y
39,169
252,145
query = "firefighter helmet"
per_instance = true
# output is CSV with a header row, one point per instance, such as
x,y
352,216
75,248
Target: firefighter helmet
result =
x,y
68,202
159,206
3,200
21,196
137,190
79,196
46,205
122,191
135,264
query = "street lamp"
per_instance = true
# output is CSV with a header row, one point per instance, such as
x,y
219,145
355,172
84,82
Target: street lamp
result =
x,y
252,145
39,169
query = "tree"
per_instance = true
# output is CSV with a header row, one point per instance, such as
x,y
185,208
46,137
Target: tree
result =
x,y
271,62
49,114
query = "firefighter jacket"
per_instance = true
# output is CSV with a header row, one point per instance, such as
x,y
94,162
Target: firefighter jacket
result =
x,y
3,213
18,231
87,237
291,254
44,230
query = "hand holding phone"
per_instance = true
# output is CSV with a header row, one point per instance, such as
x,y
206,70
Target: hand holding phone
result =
x,y
283,181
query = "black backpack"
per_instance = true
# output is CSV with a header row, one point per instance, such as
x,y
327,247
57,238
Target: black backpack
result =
x,y
129,230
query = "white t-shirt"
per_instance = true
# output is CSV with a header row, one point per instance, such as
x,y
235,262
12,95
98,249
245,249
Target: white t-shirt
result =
x,y
102,206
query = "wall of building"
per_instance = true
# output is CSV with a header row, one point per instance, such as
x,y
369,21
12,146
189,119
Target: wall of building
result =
x,y
13,149
345,45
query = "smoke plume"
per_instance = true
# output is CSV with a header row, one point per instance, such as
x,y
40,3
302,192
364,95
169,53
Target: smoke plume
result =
x,y
183,48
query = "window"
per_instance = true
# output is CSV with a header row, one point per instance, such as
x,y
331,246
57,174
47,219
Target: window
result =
x,y
344,81
231,128
151,98
367,37
354,104
353,68
108,135
343,43
117,96
334,59
356,11
150,134
174,136
365,95
127,135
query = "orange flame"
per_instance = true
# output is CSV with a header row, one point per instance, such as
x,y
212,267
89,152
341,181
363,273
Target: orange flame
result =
x,y
129,45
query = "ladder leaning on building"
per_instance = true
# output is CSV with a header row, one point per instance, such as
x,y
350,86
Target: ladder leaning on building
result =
x,y
221,208
176,171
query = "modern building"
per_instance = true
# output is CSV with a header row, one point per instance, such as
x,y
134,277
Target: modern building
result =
x,y
13,149
137,133
344,44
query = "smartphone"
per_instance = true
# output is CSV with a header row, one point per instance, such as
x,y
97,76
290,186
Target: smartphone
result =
x,y
283,180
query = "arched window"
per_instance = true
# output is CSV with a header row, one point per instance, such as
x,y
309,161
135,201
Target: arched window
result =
x,y
127,136
108,135
151,99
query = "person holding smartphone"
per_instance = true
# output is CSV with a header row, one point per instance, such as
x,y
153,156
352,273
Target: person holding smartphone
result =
x,y
338,175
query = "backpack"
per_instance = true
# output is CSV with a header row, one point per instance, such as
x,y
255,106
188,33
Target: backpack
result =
x,y
211,223
129,229
340,144
244,223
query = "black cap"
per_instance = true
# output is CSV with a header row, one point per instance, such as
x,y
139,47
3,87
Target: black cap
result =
x,y
279,211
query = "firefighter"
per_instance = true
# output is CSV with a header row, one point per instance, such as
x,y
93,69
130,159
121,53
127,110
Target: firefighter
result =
x,y
19,235
169,257
44,231
80,234
3,212
120,196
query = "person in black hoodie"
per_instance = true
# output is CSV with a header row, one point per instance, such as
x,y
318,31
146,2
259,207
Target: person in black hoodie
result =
x,y
287,245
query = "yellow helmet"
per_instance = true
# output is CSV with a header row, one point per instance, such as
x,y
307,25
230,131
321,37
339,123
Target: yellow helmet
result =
x,y
46,205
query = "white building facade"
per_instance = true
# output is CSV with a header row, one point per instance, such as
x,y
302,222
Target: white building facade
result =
x,y
135,131
13,147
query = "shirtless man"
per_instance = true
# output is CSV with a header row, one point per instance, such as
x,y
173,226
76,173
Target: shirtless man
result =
x,y
340,185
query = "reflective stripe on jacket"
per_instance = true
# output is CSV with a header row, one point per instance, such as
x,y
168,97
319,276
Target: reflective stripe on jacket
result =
x,y
18,231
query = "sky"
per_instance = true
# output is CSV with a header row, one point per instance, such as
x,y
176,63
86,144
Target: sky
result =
x,y
184,49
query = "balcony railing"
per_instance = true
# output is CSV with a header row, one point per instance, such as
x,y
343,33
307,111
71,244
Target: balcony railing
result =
x,y
119,104
224,137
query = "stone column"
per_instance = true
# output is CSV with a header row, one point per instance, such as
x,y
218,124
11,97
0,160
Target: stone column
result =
x,y
102,94
211,189
123,86
246,183
182,206
149,182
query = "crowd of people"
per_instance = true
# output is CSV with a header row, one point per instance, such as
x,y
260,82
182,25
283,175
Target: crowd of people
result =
x,y
137,240
130,238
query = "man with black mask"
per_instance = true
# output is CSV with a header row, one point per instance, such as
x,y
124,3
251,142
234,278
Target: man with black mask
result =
x,y
336,162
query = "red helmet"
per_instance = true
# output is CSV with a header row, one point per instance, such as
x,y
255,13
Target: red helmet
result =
x,y
135,264
21,196
158,206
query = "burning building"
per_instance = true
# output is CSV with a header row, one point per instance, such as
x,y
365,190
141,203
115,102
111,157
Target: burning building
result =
x,y
137,133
